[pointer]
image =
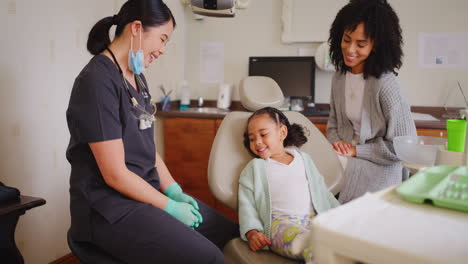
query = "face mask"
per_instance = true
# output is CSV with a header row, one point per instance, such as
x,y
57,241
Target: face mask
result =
x,y
136,62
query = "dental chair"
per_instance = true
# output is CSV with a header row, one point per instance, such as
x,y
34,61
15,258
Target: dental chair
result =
x,y
228,157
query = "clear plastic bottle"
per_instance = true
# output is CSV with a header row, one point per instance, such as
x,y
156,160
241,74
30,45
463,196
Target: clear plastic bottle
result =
x,y
184,95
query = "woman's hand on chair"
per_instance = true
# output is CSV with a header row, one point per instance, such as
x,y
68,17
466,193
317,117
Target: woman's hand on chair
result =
x,y
257,240
344,149
351,152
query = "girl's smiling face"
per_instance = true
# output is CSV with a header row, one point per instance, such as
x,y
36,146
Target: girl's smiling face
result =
x,y
266,136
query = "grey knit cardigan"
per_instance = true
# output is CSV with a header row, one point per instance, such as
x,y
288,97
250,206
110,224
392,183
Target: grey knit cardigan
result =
x,y
385,115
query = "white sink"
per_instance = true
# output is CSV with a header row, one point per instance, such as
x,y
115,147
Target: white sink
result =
x,y
207,110
418,149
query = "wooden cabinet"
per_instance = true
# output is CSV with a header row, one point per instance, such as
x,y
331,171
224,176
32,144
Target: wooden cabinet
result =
x,y
432,132
322,128
187,146
420,131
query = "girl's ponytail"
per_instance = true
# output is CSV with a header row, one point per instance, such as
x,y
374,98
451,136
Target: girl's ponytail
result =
x,y
296,136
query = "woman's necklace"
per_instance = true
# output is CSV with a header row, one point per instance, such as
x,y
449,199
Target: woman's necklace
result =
x,y
353,88
353,93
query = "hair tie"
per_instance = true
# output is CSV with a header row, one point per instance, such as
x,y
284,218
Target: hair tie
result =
x,y
115,20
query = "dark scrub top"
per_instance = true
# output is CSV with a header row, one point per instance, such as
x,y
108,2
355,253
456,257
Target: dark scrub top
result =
x,y
100,109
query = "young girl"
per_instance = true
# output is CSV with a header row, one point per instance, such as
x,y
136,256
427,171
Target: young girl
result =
x,y
367,109
281,190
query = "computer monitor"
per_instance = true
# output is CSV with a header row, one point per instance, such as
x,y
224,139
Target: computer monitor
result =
x,y
294,75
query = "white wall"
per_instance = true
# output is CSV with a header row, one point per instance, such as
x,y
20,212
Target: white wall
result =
x,y
256,31
430,86
43,49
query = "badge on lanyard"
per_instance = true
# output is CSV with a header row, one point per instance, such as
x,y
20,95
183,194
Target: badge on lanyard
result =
x,y
145,94
145,119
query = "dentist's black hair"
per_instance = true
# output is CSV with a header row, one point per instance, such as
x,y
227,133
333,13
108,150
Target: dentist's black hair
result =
x,y
381,24
151,13
296,136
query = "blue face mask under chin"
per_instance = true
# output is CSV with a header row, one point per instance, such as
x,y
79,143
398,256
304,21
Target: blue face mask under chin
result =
x,y
136,62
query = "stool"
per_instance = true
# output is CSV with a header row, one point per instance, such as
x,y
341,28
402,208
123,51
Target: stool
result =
x,y
88,253
10,212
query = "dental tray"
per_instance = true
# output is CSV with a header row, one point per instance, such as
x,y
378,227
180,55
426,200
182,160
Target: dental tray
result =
x,y
442,186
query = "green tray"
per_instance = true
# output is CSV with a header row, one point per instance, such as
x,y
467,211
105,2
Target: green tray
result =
x,y
442,186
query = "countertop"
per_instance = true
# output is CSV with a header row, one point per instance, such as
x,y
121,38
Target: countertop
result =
x,y
437,112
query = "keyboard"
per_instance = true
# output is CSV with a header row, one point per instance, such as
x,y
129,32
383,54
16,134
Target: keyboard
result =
x,y
315,112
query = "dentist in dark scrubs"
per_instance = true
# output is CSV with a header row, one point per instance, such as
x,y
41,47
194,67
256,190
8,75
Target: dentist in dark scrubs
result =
x,y
123,199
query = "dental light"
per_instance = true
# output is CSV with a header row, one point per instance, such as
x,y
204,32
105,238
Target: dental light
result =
x,y
216,8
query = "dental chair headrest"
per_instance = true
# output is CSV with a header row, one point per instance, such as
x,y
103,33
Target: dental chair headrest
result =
x,y
257,92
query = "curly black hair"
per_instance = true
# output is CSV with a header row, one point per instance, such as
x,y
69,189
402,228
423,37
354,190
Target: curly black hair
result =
x,y
296,136
381,24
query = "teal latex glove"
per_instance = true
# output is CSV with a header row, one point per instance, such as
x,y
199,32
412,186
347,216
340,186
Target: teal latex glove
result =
x,y
175,193
184,212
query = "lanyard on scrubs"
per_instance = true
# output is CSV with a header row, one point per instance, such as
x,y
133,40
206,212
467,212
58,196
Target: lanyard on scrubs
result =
x,y
146,119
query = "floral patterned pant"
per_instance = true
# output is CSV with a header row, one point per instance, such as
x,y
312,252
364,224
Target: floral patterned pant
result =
x,y
290,236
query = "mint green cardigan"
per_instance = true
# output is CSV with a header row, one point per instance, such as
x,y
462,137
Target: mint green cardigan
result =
x,y
254,195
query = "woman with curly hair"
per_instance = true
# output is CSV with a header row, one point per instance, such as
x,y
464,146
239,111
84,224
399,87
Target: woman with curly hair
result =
x,y
281,190
367,108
